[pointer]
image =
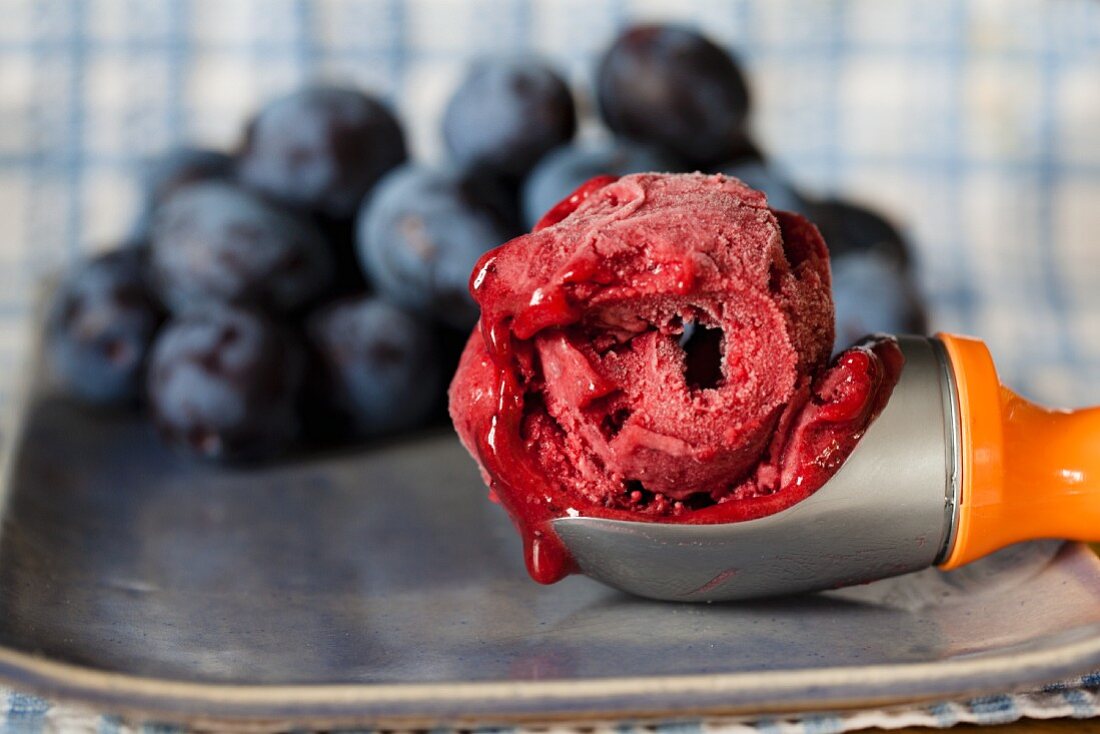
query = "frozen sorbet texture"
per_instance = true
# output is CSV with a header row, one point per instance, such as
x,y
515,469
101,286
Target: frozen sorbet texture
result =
x,y
657,349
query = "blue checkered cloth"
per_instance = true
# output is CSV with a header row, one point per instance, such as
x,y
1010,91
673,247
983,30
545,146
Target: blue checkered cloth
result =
x,y
977,124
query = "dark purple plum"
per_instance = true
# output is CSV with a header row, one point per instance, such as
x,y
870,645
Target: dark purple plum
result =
x,y
780,192
506,114
223,384
321,149
99,329
339,234
565,168
182,166
872,294
377,367
851,228
217,242
745,150
671,86
174,169
423,231
872,286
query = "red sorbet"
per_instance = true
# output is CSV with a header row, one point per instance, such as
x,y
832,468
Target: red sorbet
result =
x,y
657,350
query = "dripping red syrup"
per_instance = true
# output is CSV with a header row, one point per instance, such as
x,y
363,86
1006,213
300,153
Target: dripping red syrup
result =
x,y
835,413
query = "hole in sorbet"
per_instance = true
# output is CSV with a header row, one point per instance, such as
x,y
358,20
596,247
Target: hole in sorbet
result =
x,y
702,347
697,501
613,422
533,407
775,278
636,493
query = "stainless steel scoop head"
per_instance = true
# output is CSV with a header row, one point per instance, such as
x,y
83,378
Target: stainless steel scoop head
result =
x,y
887,511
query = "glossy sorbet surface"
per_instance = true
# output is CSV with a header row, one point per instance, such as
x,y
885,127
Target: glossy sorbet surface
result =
x,y
658,350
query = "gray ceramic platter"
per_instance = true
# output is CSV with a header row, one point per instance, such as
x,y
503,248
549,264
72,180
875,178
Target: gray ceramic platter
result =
x,y
381,587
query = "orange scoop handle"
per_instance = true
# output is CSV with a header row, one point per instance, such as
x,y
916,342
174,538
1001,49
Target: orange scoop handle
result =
x,y
1027,472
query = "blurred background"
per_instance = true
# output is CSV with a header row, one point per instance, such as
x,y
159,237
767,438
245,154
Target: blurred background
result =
x,y
973,125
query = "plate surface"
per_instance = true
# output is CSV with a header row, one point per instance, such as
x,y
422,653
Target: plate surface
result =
x,y
381,586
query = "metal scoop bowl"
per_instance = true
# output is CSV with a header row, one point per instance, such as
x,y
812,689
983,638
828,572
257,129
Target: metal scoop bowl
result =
x,y
945,475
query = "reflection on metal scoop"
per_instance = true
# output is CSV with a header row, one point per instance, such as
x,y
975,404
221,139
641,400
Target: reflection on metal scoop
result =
x,y
955,467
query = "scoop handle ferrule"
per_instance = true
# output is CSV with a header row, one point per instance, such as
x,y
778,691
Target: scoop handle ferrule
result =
x,y
1027,472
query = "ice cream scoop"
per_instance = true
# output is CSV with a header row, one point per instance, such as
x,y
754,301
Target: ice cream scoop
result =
x,y
955,467
648,394
658,348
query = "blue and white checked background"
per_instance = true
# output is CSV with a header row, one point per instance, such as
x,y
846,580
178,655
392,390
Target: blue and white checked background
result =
x,y
976,124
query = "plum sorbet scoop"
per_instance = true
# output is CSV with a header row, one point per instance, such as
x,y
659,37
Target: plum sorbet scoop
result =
x,y
649,395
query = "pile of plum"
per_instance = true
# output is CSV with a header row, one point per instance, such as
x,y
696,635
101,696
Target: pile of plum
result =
x,y
312,286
